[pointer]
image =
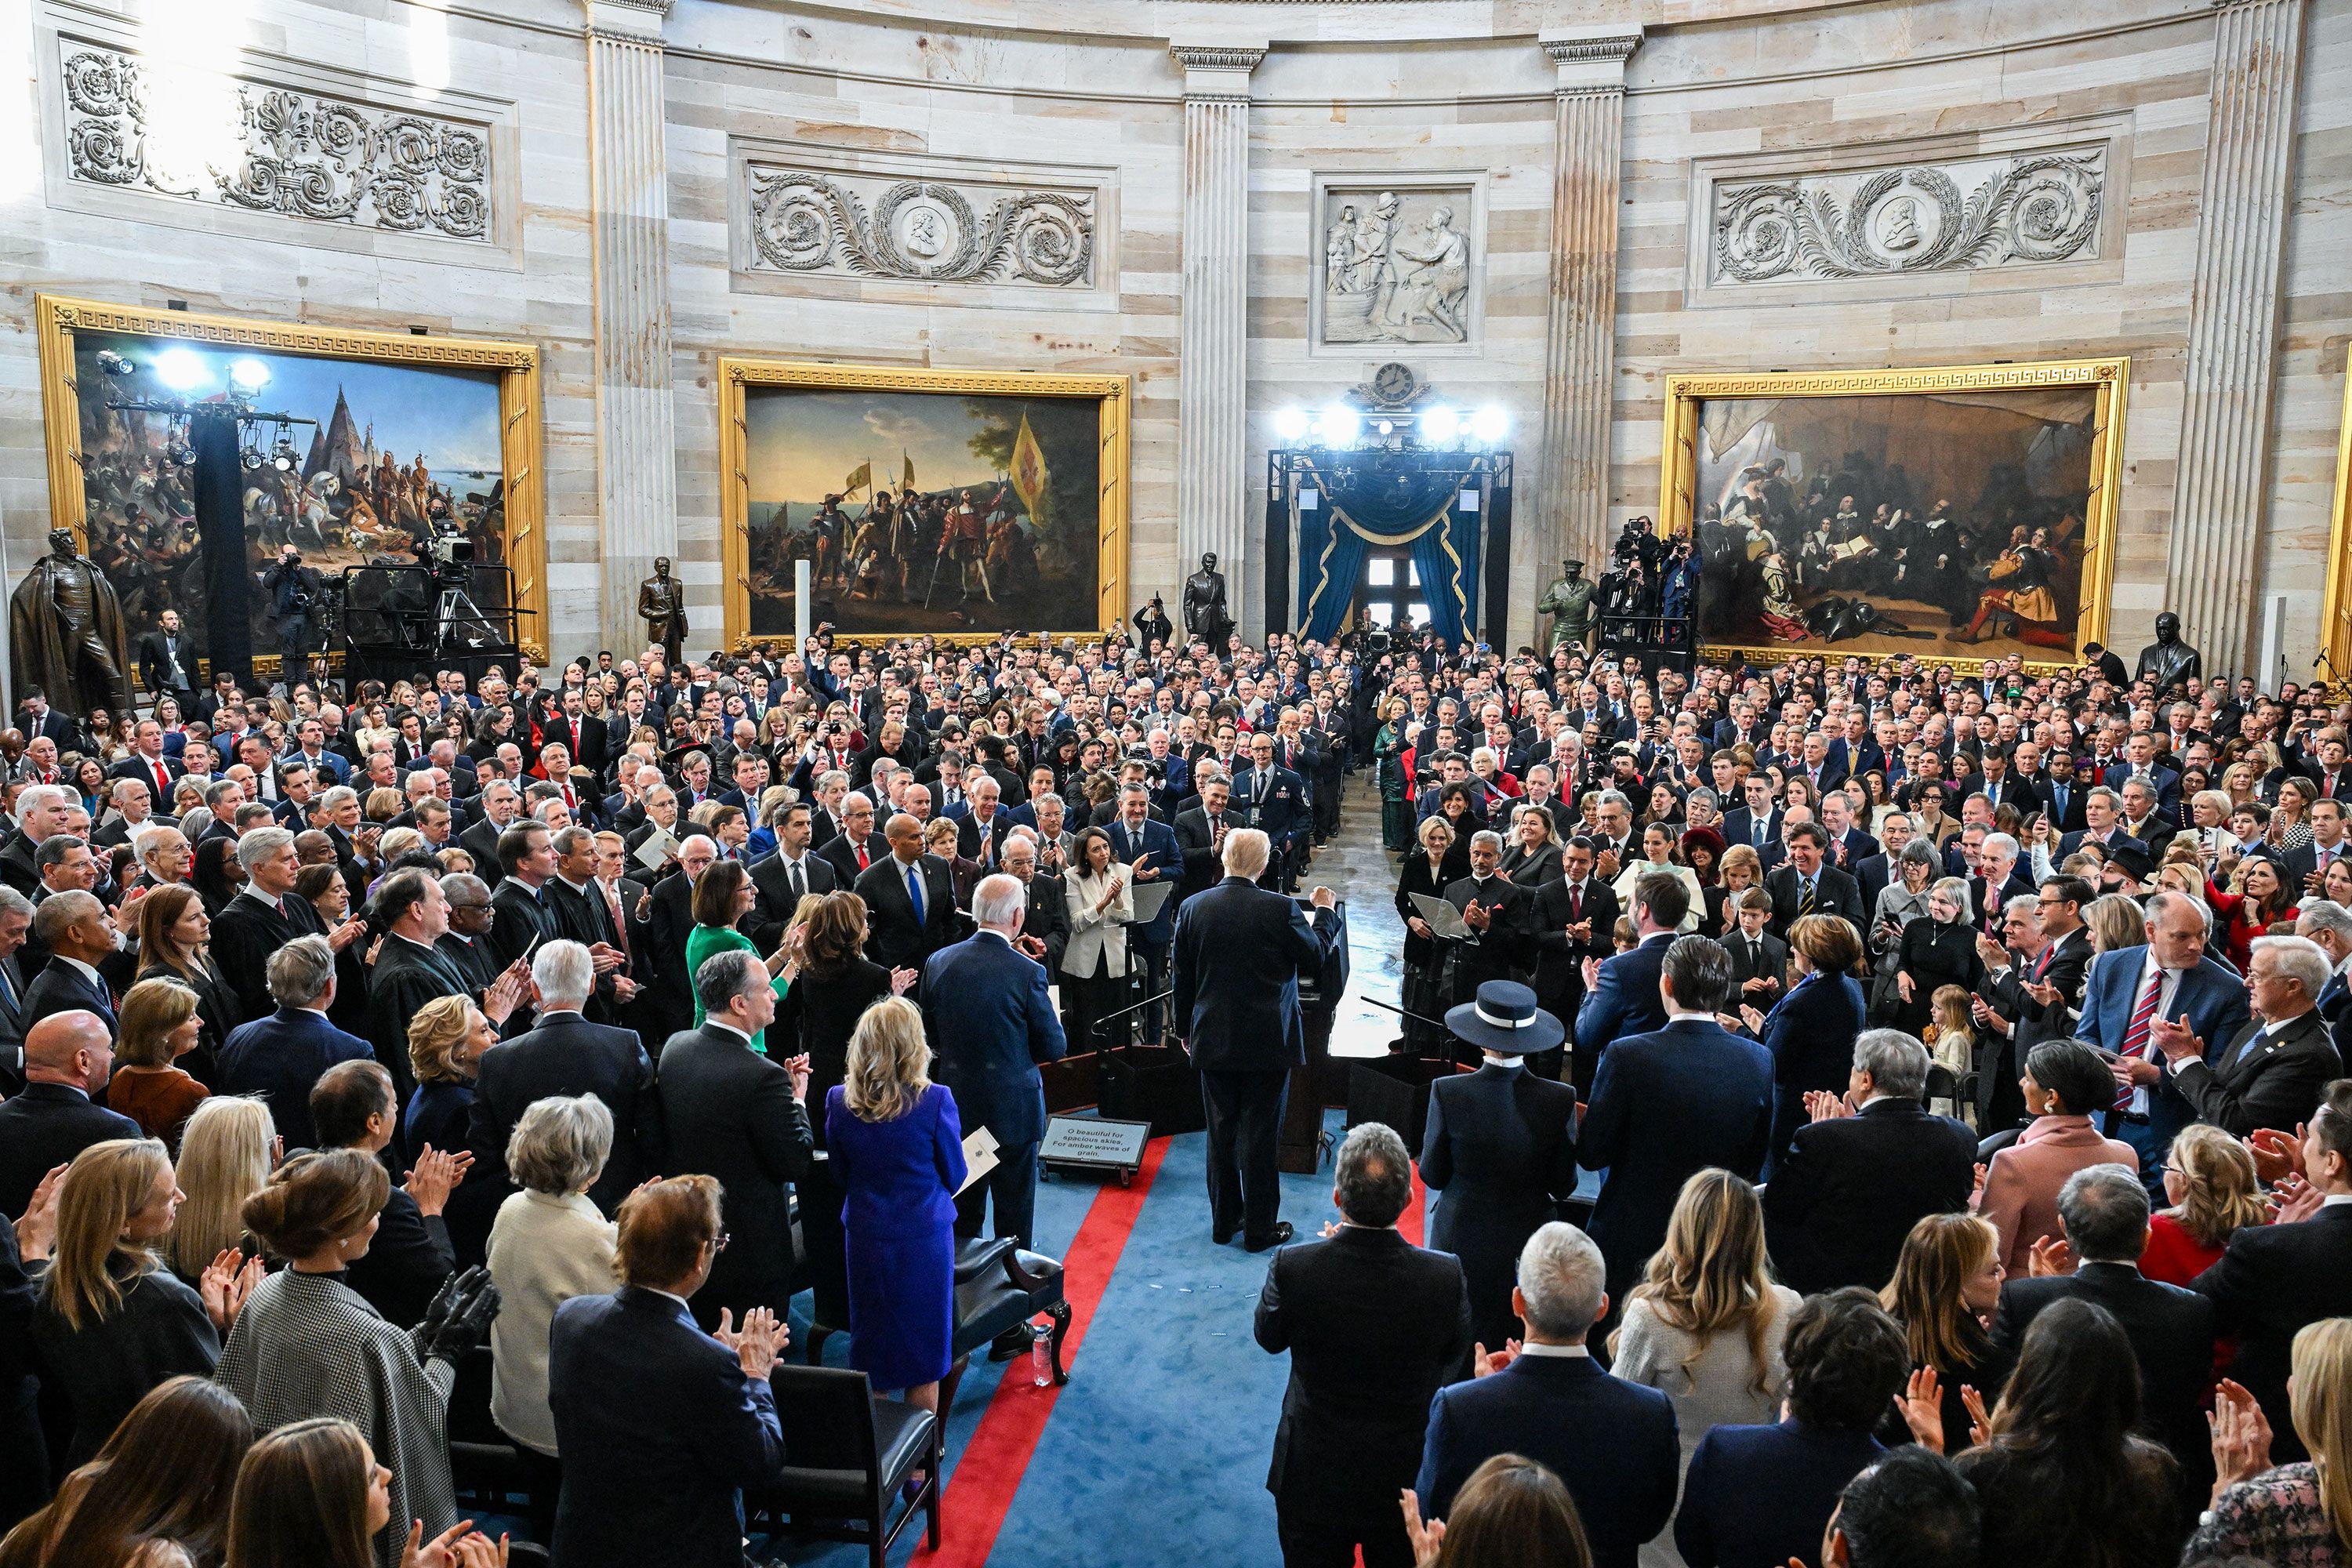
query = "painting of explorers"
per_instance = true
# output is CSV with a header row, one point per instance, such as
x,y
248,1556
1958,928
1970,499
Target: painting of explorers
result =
x,y
922,511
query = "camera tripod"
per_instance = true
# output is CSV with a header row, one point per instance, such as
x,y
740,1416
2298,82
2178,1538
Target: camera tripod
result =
x,y
455,614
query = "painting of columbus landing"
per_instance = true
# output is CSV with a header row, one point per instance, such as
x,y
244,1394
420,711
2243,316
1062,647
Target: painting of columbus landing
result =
x,y
922,511
395,448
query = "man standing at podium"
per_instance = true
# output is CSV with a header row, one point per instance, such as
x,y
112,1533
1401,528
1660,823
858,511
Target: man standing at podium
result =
x,y
1239,951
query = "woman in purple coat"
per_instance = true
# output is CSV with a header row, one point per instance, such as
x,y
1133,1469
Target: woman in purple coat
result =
x,y
896,1146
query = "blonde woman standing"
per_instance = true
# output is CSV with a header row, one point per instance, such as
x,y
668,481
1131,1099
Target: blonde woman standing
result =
x,y
112,1321
227,1153
1705,1325
895,1145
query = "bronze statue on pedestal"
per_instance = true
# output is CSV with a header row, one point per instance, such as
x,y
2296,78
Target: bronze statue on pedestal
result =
x,y
66,634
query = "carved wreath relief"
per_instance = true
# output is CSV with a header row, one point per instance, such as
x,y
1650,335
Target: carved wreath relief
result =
x,y
295,152
925,231
2036,208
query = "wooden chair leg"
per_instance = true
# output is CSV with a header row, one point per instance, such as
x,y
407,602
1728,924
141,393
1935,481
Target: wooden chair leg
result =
x,y
1060,1313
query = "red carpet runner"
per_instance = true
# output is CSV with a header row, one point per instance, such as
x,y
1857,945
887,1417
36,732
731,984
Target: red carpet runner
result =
x,y
981,1491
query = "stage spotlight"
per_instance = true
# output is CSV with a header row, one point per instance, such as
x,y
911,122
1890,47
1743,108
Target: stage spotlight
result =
x,y
1290,424
252,459
182,370
112,363
1490,424
248,374
1440,423
1340,425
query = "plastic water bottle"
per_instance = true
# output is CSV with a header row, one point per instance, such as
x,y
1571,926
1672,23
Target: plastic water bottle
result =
x,y
1041,1371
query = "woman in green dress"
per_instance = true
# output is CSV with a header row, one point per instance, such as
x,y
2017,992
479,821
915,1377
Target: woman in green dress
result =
x,y
1396,789
723,895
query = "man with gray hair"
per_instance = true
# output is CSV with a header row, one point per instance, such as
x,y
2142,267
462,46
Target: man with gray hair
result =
x,y
1234,971
42,810
281,1054
991,1021
1496,911
264,917
1866,1169
2277,1067
1374,1326
2330,924
1611,1443
2105,1211
16,925
564,1053
731,1112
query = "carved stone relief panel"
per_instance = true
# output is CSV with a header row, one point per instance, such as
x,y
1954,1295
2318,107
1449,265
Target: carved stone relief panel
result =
x,y
939,226
2024,208
271,147
1400,260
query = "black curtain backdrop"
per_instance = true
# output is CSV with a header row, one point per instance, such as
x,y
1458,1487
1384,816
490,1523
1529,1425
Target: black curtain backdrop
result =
x,y
1496,608
220,523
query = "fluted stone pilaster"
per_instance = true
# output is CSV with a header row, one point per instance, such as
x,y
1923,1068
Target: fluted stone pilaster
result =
x,y
1213,484
1571,492
636,420
2233,325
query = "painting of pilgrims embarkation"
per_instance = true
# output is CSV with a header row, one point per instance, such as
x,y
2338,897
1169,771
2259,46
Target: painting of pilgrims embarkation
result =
x,y
1937,523
395,448
922,511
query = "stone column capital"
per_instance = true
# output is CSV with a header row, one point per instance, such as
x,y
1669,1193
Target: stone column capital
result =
x,y
1219,69
628,21
1591,57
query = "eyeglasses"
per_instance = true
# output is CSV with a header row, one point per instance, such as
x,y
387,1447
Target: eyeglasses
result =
x,y
718,1243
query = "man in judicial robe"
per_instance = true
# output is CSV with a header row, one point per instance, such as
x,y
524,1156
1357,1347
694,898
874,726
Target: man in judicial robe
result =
x,y
264,918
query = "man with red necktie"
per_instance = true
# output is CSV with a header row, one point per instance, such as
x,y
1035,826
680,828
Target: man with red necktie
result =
x,y
147,763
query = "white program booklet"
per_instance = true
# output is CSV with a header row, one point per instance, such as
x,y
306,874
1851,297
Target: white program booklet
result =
x,y
979,1155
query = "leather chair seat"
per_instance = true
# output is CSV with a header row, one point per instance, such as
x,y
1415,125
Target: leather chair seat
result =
x,y
902,1442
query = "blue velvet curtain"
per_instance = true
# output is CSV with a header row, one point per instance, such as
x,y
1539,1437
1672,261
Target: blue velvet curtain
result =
x,y
1376,500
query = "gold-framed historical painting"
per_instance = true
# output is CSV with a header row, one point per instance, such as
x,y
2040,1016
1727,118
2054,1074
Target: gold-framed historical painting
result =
x,y
940,502
404,430
1958,513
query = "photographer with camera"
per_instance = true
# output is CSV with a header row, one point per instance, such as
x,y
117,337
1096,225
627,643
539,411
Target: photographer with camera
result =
x,y
294,595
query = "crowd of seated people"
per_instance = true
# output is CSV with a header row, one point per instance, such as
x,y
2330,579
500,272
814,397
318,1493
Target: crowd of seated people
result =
x,y
1958,1057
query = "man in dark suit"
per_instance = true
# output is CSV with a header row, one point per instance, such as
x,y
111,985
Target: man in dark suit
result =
x,y
663,1425
1855,1182
668,1000
35,718
909,901
1201,837
1621,993
1149,846
74,929
410,1256
521,912
1809,885
1666,1104
148,765
1374,1326
1495,908
2275,1279
67,1059
16,925
2281,1061
281,1055
263,918
1239,951
501,805
991,1021
983,822
1611,1442
411,967
2105,1211
1757,823
840,851
730,1113
1046,918
784,878
565,1054
2032,997
167,663
1573,919
1273,799
2127,992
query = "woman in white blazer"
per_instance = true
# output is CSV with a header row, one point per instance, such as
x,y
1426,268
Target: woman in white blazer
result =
x,y
549,1244
1101,898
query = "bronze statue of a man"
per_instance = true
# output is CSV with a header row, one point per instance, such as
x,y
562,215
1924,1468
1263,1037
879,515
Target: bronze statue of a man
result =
x,y
661,602
1569,601
2168,660
66,634
1205,614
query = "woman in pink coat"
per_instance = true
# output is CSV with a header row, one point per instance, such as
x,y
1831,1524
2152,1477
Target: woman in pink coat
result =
x,y
2066,1083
